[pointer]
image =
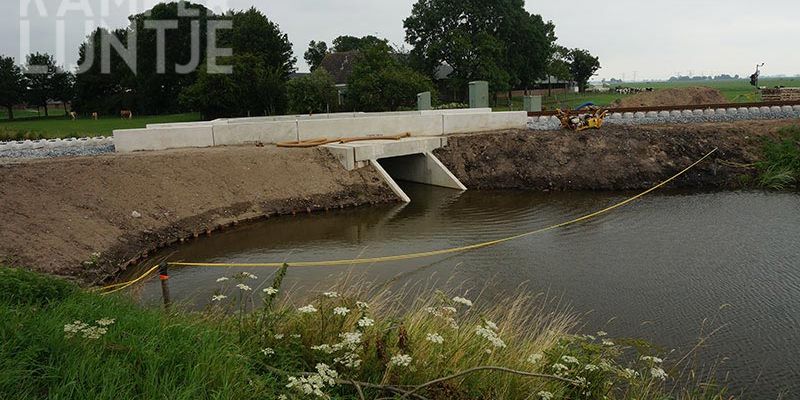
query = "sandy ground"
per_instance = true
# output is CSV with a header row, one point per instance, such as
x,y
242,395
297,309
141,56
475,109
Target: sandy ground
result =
x,y
674,97
55,214
614,158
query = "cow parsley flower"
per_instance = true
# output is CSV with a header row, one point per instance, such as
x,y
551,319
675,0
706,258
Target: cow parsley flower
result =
x,y
219,297
461,300
331,295
106,322
362,306
341,311
249,276
267,351
244,287
559,367
591,367
658,373
279,336
366,322
654,360
309,309
602,333
223,279
535,358
570,360
607,342
323,348
271,291
435,338
401,360
490,335
545,395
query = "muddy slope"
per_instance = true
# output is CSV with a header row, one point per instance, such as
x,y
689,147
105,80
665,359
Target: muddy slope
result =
x,y
614,158
54,214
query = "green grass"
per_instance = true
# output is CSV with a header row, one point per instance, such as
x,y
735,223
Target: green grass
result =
x,y
780,167
63,127
51,347
738,91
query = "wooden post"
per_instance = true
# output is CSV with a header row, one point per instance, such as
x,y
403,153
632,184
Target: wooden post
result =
x,y
163,274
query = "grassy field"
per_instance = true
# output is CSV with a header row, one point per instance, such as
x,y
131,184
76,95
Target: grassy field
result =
x,y
58,341
63,127
738,91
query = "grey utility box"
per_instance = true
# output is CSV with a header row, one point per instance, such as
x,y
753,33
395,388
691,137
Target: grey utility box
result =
x,y
479,94
424,101
533,103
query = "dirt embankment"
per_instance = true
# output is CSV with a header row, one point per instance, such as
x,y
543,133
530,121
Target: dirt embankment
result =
x,y
690,96
54,214
614,158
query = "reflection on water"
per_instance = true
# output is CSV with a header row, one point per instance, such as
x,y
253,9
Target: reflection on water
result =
x,y
655,269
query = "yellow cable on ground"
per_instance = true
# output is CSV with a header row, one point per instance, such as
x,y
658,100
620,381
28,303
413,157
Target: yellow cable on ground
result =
x,y
123,286
412,256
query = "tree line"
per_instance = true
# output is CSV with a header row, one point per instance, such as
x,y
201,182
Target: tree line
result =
x,y
499,42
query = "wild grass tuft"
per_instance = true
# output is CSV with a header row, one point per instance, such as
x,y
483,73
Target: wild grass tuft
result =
x,y
780,168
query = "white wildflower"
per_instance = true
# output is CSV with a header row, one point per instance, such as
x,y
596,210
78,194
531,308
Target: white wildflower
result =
x,y
401,360
309,309
654,360
449,310
106,322
331,295
366,322
559,367
461,300
490,335
658,373
249,276
602,333
223,279
591,367
271,291
296,336
491,325
351,338
349,360
535,358
244,287
94,332
74,328
283,397
545,395
219,297
342,311
435,338
279,336
361,305
629,373
570,360
313,384
323,348
607,342
267,351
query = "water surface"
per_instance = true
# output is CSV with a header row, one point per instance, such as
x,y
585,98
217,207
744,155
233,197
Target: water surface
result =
x,y
662,268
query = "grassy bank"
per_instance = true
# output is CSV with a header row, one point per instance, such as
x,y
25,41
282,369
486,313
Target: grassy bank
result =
x,y
63,127
61,342
780,167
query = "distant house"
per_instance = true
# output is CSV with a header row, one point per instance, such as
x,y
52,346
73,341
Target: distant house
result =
x,y
340,67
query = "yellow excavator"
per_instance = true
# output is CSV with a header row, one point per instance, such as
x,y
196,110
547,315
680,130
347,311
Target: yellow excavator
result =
x,y
587,116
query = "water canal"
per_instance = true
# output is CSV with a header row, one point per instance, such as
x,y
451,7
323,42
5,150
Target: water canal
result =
x,y
665,268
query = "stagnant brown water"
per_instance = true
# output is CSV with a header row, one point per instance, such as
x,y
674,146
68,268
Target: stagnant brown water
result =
x,y
656,269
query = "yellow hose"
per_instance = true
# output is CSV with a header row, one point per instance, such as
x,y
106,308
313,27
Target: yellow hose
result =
x,y
412,256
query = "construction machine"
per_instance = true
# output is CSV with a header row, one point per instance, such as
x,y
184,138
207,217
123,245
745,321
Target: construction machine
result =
x,y
587,116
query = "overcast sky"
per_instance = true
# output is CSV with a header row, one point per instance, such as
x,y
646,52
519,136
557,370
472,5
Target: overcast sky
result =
x,y
633,38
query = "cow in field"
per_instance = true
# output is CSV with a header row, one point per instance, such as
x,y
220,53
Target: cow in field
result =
x,y
73,115
126,114
95,116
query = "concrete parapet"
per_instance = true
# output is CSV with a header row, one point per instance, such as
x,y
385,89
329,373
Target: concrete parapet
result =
x,y
616,116
130,140
796,108
698,112
628,115
465,123
709,111
754,110
732,110
639,114
675,113
687,112
743,110
721,111
264,132
653,114
428,125
786,108
663,114
775,109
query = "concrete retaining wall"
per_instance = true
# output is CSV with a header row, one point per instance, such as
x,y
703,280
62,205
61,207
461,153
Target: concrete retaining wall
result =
x,y
270,130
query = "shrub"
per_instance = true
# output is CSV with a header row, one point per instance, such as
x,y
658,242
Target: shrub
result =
x,y
18,287
315,93
780,168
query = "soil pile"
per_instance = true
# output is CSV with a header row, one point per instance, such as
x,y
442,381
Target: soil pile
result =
x,y
613,158
692,96
55,214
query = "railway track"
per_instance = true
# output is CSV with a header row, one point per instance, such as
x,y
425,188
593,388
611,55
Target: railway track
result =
x,y
681,108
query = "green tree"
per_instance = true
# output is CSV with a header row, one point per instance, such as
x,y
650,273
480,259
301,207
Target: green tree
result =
x,y
41,74
351,43
582,65
98,91
12,85
253,33
497,41
379,82
250,90
63,88
315,54
315,93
